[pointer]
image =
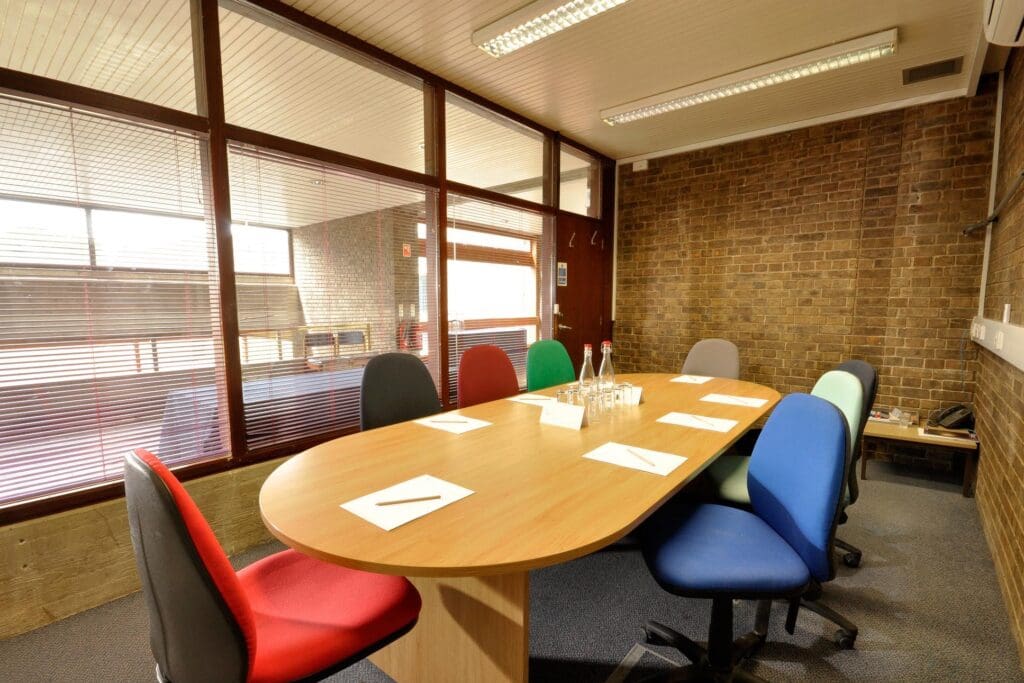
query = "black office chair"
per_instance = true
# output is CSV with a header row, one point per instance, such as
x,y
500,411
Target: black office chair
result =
x,y
396,387
869,380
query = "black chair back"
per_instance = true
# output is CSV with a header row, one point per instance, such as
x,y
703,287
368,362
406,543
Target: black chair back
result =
x,y
396,387
868,377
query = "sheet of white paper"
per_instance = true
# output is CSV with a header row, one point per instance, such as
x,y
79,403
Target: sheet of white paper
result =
x,y
714,424
735,400
564,415
634,457
532,399
453,422
389,517
691,379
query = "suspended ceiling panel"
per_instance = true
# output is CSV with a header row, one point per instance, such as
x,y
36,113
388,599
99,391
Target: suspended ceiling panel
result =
x,y
136,48
649,46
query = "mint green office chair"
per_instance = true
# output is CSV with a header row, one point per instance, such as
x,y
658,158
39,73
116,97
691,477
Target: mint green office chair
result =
x,y
729,472
547,364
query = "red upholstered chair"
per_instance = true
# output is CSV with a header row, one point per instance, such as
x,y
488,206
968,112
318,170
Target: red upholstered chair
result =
x,y
485,374
286,617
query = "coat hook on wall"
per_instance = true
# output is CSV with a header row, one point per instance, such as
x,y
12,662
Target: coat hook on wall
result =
x,y
571,239
593,238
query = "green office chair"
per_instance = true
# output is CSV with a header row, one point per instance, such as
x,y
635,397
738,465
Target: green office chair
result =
x,y
547,365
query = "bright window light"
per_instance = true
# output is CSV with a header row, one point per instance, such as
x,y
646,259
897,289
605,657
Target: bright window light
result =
x,y
829,58
535,21
261,250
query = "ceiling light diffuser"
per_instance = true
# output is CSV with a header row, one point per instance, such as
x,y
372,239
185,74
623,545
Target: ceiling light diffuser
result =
x,y
535,21
818,61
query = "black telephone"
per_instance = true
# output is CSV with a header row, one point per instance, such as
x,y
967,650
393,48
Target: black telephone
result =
x,y
954,417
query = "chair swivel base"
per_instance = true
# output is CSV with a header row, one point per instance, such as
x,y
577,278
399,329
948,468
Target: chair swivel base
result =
x,y
845,636
720,661
853,554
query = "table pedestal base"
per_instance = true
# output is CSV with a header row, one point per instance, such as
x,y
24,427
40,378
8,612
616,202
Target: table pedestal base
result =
x,y
473,628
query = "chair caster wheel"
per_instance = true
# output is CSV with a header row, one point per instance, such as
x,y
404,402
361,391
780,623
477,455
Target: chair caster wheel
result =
x,y
851,560
845,639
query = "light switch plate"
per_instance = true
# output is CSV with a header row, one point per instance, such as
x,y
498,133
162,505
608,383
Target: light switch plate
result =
x,y
640,165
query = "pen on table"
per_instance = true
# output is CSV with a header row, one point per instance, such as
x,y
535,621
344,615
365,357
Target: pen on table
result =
x,y
408,500
704,420
641,457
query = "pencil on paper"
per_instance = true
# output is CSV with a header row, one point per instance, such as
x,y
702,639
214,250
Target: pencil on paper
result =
x,y
641,457
408,500
448,422
705,421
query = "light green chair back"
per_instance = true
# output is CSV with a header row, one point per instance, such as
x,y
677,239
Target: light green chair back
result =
x,y
728,473
547,365
845,392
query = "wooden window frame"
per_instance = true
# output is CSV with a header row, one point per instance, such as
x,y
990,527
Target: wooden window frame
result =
x,y
210,122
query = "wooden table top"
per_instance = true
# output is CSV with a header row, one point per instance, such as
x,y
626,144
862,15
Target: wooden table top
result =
x,y
537,501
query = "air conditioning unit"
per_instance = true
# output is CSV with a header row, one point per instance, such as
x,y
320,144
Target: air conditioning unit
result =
x,y
1004,22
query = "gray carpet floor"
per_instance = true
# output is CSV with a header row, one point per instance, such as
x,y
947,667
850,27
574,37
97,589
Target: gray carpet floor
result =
x,y
925,598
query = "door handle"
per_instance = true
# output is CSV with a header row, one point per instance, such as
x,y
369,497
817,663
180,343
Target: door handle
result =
x,y
563,327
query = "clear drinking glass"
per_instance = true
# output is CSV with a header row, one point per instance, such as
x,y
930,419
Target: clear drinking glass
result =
x,y
594,408
562,396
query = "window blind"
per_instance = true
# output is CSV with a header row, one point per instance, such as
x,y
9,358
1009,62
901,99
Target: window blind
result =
x,y
499,280
363,283
109,309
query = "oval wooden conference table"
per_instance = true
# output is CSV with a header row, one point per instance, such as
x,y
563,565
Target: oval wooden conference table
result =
x,y
536,502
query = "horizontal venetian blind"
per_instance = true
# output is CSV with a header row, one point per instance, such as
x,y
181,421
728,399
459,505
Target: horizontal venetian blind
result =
x,y
109,310
363,283
499,277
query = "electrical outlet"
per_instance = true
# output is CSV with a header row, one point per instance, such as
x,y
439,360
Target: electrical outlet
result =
x,y
999,340
981,332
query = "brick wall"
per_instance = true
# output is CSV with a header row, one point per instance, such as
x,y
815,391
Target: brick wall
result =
x,y
812,246
1000,397
352,270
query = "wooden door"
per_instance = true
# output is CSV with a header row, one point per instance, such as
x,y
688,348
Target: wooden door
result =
x,y
584,246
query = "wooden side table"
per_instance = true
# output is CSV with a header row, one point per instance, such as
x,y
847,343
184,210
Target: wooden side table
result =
x,y
911,434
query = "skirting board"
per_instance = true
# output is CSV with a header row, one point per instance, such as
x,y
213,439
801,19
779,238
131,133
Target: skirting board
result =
x,y
1003,339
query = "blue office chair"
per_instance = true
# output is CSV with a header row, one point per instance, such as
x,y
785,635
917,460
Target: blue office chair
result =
x,y
779,549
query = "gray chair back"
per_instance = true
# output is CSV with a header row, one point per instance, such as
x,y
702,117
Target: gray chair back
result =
x,y
396,387
713,358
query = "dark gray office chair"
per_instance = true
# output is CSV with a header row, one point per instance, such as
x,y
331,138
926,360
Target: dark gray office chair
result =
x,y
713,358
869,380
396,387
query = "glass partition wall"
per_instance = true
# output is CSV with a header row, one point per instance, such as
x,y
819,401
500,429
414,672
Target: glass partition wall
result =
x,y
205,241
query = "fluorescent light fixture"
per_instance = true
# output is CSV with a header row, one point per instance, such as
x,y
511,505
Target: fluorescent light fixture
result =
x,y
535,21
829,58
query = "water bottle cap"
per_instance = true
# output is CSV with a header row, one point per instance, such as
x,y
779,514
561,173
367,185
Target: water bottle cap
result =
x,y
606,342
587,346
